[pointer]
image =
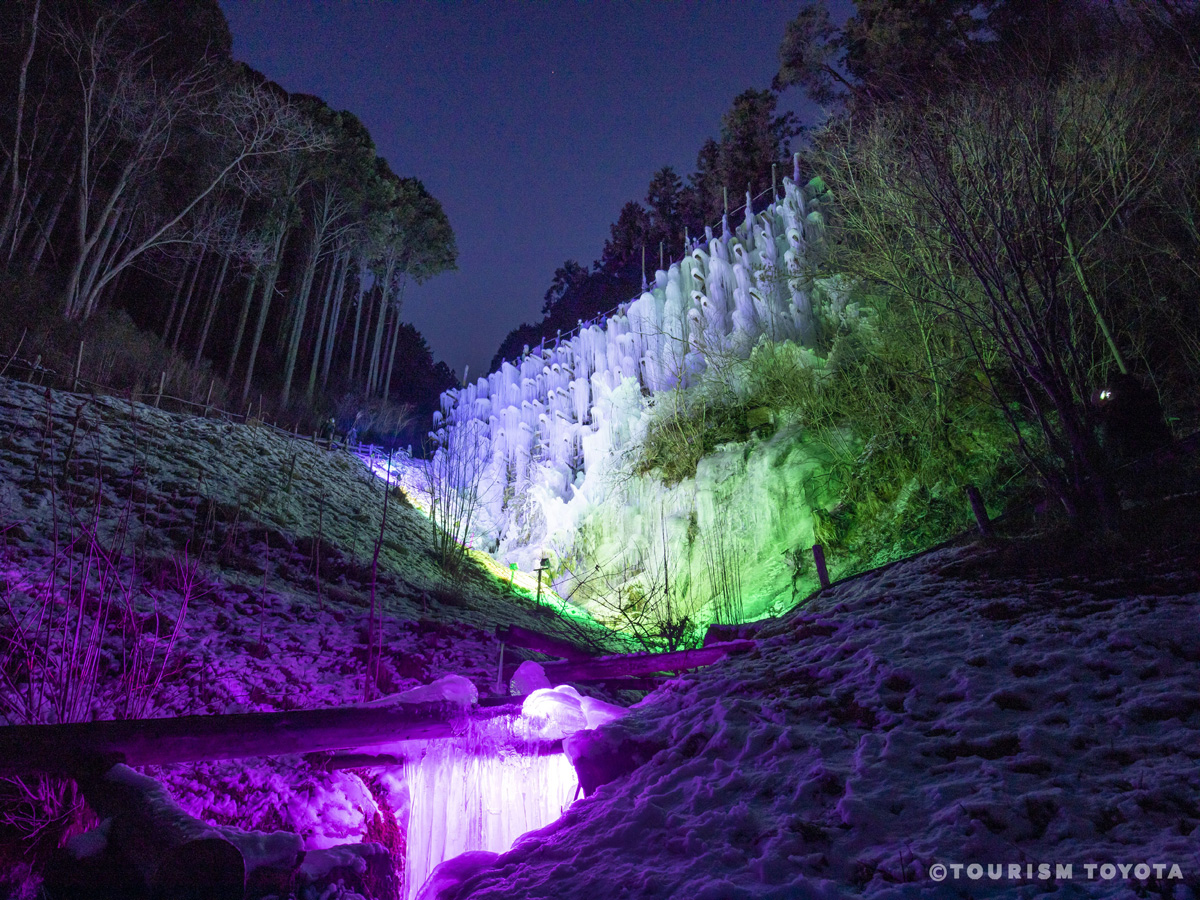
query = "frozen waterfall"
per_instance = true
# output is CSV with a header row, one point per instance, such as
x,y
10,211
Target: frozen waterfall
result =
x,y
554,416
502,778
462,799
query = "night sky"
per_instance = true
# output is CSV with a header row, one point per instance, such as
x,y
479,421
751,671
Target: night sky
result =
x,y
532,123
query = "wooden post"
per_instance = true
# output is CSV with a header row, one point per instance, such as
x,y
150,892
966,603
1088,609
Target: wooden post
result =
x,y
979,510
78,366
604,668
540,569
162,380
500,669
818,553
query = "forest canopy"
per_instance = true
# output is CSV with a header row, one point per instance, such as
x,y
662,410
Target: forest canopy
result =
x,y
259,233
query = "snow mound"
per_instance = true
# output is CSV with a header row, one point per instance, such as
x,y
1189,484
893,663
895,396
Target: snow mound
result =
x,y
931,713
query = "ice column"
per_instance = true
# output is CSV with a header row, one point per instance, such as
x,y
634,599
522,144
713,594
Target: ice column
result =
x,y
463,797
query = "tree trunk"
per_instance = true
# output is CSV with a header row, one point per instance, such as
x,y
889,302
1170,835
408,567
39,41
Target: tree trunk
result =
x,y
264,308
385,288
319,342
293,349
89,233
187,302
334,320
251,284
267,296
179,291
43,239
214,297
211,309
362,297
9,226
48,176
395,340
95,285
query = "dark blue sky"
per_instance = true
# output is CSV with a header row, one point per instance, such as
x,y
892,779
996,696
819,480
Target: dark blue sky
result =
x,y
532,123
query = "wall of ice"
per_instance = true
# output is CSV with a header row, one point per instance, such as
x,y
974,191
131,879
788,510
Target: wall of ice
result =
x,y
547,433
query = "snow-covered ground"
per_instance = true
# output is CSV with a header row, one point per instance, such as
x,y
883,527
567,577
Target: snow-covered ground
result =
x,y
1005,705
966,707
227,518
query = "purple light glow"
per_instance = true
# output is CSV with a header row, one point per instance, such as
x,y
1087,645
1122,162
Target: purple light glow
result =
x,y
480,792
485,789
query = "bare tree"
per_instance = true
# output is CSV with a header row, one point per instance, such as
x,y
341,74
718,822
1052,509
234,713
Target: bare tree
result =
x,y
17,154
129,123
455,485
989,207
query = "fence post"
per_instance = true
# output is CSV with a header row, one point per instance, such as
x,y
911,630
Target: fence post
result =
x,y
818,553
979,510
78,366
162,380
500,670
208,399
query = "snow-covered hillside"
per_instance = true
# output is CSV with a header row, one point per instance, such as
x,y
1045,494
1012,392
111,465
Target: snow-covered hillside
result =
x,y
1025,702
259,547
1012,706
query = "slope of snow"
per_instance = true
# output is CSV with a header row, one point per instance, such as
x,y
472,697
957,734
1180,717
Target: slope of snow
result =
x,y
972,706
932,712
216,526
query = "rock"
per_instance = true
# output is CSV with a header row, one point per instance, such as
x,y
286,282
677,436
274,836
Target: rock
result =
x,y
605,755
529,677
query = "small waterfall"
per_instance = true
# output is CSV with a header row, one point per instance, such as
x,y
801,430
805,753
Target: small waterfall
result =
x,y
461,799
502,778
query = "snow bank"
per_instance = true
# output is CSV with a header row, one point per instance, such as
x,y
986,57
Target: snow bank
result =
x,y
928,713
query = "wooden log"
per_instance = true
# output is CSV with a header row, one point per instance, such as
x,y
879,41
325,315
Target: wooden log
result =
x,y
605,668
329,762
68,749
516,636
629,684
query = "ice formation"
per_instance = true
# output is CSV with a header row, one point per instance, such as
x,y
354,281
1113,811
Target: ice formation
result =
x,y
503,778
546,431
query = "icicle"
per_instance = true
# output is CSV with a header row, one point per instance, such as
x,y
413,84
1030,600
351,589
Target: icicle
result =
x,y
478,792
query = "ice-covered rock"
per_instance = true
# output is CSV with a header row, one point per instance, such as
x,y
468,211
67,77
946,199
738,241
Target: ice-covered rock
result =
x,y
555,712
449,689
455,872
529,677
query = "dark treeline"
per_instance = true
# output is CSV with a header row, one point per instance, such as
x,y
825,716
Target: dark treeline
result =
x,y
1015,187
754,137
259,234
